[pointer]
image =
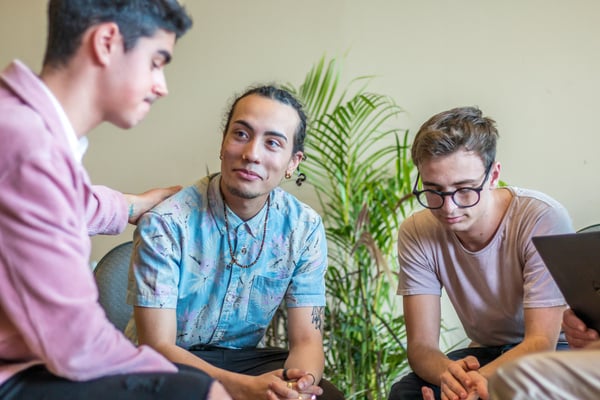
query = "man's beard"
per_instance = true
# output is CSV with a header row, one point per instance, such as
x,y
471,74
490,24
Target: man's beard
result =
x,y
242,193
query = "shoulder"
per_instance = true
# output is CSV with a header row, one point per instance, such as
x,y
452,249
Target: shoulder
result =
x,y
187,199
534,197
420,223
423,233
527,201
24,130
290,207
20,126
539,211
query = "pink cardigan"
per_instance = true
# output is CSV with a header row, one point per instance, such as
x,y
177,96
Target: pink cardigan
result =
x,y
49,312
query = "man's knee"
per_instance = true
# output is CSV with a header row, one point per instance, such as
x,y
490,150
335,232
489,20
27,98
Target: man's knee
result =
x,y
409,388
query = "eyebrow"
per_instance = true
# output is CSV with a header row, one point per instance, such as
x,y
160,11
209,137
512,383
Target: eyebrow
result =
x,y
268,133
454,184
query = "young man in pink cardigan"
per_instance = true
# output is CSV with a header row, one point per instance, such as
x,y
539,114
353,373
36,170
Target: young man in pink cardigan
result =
x,y
104,62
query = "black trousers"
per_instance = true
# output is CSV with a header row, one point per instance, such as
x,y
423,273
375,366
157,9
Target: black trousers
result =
x,y
409,387
256,361
37,383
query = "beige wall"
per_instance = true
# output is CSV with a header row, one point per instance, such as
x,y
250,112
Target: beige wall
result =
x,y
533,65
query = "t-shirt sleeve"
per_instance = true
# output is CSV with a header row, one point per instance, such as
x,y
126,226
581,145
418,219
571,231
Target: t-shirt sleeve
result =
x,y
539,287
417,271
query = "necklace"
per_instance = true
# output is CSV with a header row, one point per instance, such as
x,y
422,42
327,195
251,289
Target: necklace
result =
x,y
262,243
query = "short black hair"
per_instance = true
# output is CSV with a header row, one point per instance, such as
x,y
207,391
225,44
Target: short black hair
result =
x,y
69,19
283,96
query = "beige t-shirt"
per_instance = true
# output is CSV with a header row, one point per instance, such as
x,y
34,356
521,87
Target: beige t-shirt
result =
x,y
489,288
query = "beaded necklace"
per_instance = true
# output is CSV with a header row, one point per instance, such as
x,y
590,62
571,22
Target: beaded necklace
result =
x,y
262,243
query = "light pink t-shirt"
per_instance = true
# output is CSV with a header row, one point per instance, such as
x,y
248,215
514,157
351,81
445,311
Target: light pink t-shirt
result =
x,y
489,288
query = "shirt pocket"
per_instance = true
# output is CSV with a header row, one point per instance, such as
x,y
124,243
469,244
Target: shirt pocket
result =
x,y
265,297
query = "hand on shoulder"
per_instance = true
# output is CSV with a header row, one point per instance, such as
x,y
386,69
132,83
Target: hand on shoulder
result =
x,y
138,204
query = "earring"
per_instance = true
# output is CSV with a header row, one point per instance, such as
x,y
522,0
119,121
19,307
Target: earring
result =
x,y
221,156
288,174
301,178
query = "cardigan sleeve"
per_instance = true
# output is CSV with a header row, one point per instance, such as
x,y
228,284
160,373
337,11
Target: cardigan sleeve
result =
x,y
48,298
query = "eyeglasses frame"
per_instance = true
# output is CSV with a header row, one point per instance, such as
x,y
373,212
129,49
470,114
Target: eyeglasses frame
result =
x,y
478,189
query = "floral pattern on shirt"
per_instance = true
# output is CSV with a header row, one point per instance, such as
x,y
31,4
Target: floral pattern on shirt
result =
x,y
182,261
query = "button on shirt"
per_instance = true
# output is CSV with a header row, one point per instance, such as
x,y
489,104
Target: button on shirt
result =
x,y
183,261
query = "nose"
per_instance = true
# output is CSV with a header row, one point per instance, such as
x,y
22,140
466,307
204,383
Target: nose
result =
x,y
448,206
251,151
160,84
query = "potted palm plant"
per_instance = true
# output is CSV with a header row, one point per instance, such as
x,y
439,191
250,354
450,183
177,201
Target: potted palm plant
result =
x,y
359,165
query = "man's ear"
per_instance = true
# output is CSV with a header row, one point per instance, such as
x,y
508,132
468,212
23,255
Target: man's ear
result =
x,y
106,38
295,161
495,175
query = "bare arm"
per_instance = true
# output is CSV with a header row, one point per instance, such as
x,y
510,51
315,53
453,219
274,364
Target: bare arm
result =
x,y
455,378
542,327
140,203
157,327
305,335
423,335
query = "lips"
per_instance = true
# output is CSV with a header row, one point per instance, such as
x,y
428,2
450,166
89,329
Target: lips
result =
x,y
247,174
449,219
452,220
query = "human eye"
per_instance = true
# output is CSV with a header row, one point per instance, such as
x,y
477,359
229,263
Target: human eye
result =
x,y
240,134
158,62
273,144
466,196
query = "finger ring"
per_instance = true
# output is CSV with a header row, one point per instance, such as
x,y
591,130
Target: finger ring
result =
x,y
289,385
284,374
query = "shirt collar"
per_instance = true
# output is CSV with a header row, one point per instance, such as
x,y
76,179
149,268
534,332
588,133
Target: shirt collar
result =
x,y
254,225
77,145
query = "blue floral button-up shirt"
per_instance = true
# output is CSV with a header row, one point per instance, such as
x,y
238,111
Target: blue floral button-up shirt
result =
x,y
182,260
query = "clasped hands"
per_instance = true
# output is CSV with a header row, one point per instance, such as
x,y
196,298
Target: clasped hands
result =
x,y
461,381
294,383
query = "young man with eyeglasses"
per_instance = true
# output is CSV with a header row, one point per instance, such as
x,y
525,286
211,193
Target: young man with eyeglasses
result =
x,y
474,240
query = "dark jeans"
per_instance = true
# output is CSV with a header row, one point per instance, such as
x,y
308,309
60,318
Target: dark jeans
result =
x,y
256,361
409,387
37,383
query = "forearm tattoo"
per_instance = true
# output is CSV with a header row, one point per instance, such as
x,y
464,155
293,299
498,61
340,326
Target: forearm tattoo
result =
x,y
317,317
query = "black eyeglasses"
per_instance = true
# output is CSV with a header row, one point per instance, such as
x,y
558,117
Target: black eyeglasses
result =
x,y
463,197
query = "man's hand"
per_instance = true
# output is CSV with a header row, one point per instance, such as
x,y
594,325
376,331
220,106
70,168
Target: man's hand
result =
x,y
140,203
577,333
299,383
460,378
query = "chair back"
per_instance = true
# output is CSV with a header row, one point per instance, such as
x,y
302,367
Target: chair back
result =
x,y
590,228
111,277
